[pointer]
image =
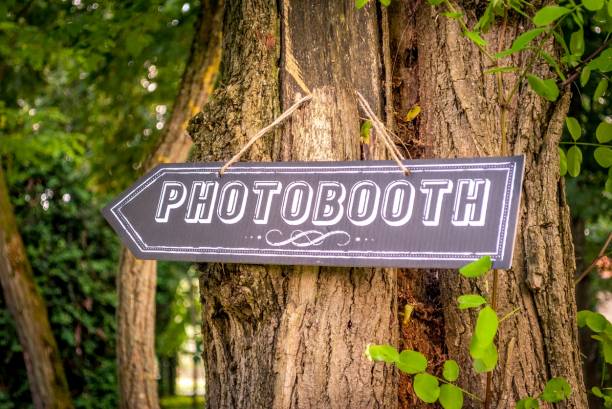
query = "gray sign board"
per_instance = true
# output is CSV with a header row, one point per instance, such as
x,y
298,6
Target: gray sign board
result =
x,y
446,213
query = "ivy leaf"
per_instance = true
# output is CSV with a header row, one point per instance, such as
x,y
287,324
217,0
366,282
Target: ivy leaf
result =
x,y
426,387
562,162
413,112
384,353
593,5
451,397
545,88
548,14
585,74
602,87
574,160
411,362
577,42
487,361
527,403
604,132
476,38
361,3
470,301
476,268
556,390
573,126
596,322
365,131
521,42
486,326
451,370
603,63
603,156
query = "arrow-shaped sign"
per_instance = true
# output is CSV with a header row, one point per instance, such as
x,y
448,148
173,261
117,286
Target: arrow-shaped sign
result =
x,y
446,213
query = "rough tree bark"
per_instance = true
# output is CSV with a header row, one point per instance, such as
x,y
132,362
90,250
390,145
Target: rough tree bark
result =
x,y
46,376
293,337
137,278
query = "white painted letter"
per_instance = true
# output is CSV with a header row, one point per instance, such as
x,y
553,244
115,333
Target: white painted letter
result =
x,y
329,209
233,202
203,194
398,202
471,202
296,203
435,190
363,203
264,192
172,196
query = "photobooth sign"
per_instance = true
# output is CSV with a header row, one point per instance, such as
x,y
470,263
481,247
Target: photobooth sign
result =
x,y
369,213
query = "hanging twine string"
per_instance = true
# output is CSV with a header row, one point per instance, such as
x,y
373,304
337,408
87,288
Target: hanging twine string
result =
x,y
376,123
383,133
264,131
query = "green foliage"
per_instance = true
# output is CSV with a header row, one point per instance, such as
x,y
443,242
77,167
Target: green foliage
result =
x,y
527,403
574,160
361,3
477,268
451,397
546,88
470,301
574,127
556,390
411,362
451,370
383,353
426,387
549,14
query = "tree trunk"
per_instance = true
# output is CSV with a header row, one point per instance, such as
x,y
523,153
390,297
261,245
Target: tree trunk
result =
x,y
293,337
137,278
462,117
46,376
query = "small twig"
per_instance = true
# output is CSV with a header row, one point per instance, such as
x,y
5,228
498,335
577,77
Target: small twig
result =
x,y
382,132
579,68
462,390
590,268
510,314
264,131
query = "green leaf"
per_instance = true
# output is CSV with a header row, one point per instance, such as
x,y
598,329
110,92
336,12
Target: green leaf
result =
x,y
577,42
411,362
476,38
361,3
451,370
521,42
384,353
606,346
548,14
562,162
470,301
597,392
610,8
385,3
545,88
527,403
603,156
585,74
451,397
593,5
453,15
604,132
596,322
582,317
486,326
573,126
435,2
602,87
426,387
556,390
603,63
365,131
487,361
574,160
476,268
608,185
